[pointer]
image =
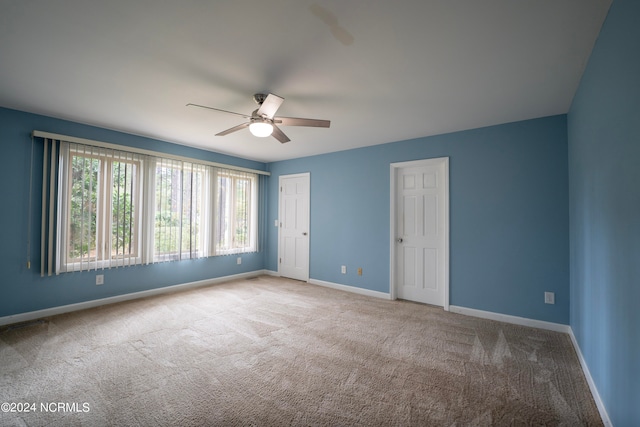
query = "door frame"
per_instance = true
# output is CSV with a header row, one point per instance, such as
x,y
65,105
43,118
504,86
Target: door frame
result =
x,y
308,245
394,168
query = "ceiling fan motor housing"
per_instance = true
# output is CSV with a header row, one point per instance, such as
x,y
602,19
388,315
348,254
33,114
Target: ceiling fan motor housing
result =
x,y
255,117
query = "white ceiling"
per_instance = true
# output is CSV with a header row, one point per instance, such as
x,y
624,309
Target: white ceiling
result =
x,y
380,70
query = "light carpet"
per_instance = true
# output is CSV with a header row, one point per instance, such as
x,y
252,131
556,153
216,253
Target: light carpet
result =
x,y
272,351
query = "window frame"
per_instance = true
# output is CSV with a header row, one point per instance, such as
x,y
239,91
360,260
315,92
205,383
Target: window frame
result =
x,y
103,257
182,167
232,202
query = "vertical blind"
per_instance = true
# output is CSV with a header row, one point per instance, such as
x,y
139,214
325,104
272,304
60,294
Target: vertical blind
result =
x,y
104,207
236,213
48,211
179,191
99,208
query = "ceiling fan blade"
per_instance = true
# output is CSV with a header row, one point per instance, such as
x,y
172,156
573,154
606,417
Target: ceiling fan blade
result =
x,y
279,135
296,121
233,129
217,109
270,105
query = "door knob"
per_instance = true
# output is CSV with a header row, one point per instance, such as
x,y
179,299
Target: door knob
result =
x,y
304,233
399,240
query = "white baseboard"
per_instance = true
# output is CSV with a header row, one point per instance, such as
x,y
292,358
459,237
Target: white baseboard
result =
x,y
523,321
592,385
352,289
33,315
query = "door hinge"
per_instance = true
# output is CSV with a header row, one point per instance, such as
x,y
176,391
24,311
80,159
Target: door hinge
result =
x,y
280,260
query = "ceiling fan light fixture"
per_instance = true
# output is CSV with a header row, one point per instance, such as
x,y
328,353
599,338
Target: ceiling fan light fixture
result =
x,y
261,121
261,129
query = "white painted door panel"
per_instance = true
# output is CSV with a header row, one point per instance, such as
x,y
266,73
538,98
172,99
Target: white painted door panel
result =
x,y
421,233
293,245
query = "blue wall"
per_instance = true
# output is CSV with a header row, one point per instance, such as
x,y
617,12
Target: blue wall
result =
x,y
509,216
23,290
604,171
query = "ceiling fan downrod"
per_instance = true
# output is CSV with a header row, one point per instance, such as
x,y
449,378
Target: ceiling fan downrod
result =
x,y
259,98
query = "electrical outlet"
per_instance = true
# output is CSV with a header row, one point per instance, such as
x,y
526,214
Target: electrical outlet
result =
x,y
549,298
359,271
239,260
100,279
275,222
343,269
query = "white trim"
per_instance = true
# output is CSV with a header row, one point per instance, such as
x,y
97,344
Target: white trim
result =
x,y
522,321
592,385
352,289
42,134
47,312
393,167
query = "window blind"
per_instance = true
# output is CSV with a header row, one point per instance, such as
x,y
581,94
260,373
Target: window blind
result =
x,y
106,207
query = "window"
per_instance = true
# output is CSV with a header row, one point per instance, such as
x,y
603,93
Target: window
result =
x,y
180,201
236,213
100,197
117,208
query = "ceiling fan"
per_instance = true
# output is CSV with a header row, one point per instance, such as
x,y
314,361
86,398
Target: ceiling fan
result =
x,y
263,121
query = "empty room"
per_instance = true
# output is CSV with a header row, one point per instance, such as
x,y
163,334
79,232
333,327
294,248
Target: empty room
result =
x,y
320,213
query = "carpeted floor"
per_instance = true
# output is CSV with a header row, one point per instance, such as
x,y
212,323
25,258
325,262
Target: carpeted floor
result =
x,y
271,351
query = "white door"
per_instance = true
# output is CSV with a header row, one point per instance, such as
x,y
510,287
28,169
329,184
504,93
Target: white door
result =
x,y
293,241
421,238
